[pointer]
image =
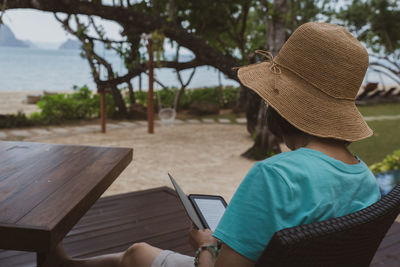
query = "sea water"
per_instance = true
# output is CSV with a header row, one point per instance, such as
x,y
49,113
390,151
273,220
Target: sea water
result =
x,y
34,69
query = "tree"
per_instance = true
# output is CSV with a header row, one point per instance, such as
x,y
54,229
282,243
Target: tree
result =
x,y
377,23
280,19
222,34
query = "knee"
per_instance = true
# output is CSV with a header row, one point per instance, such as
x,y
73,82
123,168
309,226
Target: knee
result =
x,y
136,248
132,255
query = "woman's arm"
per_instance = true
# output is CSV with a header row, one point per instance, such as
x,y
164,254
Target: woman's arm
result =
x,y
227,256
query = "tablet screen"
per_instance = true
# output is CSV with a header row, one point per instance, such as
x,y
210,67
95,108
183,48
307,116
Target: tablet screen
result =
x,y
211,210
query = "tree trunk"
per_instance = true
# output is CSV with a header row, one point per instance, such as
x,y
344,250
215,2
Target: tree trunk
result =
x,y
241,100
243,97
119,103
253,106
132,99
265,143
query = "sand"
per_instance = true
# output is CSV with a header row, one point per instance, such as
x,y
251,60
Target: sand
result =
x,y
13,101
203,158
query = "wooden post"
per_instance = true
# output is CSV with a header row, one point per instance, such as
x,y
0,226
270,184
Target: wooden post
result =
x,y
150,93
103,110
140,82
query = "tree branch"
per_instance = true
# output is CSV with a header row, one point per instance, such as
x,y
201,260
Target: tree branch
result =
x,y
143,21
3,10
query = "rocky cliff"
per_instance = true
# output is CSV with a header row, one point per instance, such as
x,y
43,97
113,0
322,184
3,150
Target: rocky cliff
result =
x,y
7,38
71,44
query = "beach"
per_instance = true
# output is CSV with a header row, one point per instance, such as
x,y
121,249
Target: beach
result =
x,y
13,101
203,158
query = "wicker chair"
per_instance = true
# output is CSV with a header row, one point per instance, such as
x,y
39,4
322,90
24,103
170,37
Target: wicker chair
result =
x,y
350,240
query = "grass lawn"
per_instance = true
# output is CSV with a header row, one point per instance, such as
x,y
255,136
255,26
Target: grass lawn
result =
x,y
386,136
385,140
380,109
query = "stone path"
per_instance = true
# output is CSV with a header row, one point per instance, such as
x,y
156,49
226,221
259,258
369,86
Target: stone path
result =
x,y
57,131
381,118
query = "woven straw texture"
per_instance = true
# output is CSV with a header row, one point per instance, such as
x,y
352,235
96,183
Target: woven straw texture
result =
x,y
321,68
348,241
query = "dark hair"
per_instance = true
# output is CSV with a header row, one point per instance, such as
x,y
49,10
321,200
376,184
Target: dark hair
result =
x,y
280,126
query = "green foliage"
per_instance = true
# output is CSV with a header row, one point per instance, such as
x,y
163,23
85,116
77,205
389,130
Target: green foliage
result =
x,y
207,94
158,46
376,22
17,120
80,105
390,163
220,23
230,95
210,94
380,109
382,143
141,97
166,96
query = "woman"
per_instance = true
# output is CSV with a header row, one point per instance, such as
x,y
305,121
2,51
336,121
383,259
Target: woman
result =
x,y
311,88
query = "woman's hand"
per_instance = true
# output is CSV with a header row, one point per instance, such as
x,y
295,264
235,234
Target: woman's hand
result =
x,y
198,238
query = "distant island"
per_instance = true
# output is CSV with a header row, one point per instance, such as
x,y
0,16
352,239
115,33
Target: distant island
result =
x,y
7,38
71,44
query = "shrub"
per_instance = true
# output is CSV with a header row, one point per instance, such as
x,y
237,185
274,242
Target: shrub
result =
x,y
76,106
389,163
141,97
190,96
165,97
17,120
210,94
230,95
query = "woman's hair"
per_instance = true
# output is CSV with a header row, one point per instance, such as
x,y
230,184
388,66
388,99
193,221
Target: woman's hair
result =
x,y
280,126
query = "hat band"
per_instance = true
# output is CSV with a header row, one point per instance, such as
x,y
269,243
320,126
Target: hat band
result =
x,y
268,55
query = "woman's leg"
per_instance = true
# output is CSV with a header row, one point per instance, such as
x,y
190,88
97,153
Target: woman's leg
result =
x,y
137,255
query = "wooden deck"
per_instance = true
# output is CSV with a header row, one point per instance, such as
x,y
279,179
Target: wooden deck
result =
x,y
154,216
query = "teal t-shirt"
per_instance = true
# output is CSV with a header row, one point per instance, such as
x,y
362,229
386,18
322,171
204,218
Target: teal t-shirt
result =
x,y
290,189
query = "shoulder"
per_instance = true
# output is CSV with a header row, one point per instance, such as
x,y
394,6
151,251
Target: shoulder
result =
x,y
285,160
275,172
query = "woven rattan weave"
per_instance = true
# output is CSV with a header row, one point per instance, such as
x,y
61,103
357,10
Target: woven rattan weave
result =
x,y
348,241
314,80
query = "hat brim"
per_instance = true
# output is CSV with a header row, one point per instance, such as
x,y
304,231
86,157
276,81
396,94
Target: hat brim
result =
x,y
305,106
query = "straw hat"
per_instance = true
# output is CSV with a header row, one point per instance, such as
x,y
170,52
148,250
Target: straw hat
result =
x,y
314,80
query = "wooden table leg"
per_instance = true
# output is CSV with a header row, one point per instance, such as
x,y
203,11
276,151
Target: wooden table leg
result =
x,y
45,259
40,258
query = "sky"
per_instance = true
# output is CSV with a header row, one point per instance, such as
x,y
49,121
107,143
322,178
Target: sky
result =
x,y
45,31
42,27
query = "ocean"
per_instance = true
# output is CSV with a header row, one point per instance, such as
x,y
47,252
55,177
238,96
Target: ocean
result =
x,y
35,69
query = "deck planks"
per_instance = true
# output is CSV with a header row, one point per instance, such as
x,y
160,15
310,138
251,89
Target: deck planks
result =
x,y
154,216
116,222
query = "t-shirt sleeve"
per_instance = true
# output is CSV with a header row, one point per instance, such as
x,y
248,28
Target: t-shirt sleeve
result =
x,y
256,211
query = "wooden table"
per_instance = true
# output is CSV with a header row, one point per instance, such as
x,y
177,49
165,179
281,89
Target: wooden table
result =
x,y
45,189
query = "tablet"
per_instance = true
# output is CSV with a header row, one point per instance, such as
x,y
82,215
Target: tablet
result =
x,y
187,204
209,208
